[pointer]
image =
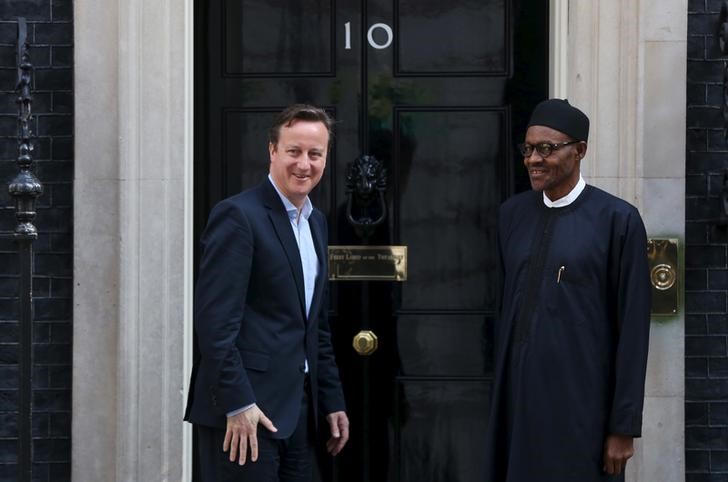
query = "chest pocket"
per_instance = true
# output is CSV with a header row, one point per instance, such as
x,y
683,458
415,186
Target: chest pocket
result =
x,y
565,287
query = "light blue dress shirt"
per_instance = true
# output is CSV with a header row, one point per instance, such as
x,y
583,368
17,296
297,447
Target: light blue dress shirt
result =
x,y
307,251
302,232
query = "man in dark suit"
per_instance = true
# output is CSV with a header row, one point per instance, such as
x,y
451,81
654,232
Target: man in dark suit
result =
x,y
266,367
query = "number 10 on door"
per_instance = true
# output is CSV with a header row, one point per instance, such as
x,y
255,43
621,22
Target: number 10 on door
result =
x,y
370,36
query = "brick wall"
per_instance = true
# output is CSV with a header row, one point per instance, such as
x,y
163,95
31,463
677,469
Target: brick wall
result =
x,y
706,255
51,36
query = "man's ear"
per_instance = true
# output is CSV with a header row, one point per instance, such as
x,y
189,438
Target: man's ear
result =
x,y
271,148
581,149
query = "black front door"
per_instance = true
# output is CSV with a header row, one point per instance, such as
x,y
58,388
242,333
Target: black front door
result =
x,y
438,92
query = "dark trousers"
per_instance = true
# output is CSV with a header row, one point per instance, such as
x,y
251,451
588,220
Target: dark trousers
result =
x,y
279,460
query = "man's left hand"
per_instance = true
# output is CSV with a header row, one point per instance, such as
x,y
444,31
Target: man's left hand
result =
x,y
617,450
339,423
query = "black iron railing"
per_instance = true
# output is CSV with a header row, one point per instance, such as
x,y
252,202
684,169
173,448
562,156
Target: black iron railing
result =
x,y
25,188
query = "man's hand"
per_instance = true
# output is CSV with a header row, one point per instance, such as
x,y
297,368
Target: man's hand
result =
x,y
339,423
242,432
617,450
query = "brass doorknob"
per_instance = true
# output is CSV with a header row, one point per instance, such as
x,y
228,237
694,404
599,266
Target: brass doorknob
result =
x,y
365,342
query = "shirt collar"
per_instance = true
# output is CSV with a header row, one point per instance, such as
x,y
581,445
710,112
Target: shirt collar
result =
x,y
569,198
292,210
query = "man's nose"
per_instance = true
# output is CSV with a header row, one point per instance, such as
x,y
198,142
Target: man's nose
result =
x,y
534,157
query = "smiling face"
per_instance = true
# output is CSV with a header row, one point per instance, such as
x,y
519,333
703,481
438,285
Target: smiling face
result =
x,y
558,173
298,159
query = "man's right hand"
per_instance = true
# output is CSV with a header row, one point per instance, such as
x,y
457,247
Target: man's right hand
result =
x,y
242,433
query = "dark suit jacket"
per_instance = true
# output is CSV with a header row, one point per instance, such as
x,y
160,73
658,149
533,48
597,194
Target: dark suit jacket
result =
x,y
250,316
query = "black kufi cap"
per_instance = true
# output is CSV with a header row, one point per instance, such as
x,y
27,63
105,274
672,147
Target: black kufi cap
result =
x,y
560,115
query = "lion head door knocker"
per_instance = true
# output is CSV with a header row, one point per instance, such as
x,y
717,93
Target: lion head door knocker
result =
x,y
366,182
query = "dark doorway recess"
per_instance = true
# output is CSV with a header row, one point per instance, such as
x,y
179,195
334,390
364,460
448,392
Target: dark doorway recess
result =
x,y
440,93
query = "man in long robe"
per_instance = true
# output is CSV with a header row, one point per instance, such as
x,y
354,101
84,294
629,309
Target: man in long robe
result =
x,y
572,331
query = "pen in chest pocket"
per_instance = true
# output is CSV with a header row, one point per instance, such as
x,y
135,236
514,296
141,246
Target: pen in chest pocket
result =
x,y
558,275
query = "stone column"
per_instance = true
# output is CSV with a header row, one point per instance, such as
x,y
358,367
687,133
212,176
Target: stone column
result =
x,y
627,69
131,246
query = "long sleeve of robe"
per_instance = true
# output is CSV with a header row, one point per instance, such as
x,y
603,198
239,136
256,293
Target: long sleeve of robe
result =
x,y
571,336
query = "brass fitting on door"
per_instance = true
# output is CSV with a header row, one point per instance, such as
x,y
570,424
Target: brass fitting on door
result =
x,y
663,261
365,342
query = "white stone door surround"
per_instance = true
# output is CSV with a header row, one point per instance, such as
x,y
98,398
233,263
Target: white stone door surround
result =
x,y
622,61
132,239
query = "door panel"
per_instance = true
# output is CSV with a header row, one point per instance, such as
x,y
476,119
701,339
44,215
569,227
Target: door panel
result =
x,y
440,427
463,37
450,183
459,347
439,92
282,37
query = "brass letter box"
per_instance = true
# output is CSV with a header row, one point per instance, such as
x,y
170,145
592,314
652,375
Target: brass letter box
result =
x,y
368,263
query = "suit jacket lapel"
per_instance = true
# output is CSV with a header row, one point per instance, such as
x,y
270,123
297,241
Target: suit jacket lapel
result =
x,y
282,227
321,254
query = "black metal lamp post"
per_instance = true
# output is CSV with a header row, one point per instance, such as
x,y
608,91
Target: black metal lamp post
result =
x,y
25,188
